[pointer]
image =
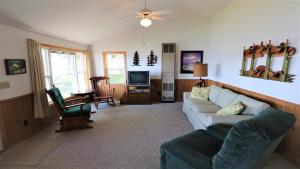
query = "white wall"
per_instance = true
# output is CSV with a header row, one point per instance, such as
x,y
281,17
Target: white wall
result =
x,y
13,46
188,31
247,21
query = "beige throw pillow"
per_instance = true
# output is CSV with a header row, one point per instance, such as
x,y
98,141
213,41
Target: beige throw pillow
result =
x,y
233,109
201,93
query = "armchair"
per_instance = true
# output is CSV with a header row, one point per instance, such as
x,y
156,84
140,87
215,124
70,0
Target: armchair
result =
x,y
247,145
74,116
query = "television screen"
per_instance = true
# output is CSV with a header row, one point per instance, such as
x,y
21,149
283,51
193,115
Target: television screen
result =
x,y
138,78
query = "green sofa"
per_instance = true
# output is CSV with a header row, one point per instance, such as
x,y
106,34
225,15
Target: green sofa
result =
x,y
246,145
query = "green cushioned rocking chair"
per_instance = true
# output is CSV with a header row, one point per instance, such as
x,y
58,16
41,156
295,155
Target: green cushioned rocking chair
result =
x,y
74,116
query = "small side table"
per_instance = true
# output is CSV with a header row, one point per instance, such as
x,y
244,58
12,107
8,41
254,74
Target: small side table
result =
x,y
89,94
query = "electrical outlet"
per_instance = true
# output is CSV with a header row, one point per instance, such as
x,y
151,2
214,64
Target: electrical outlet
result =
x,y
4,85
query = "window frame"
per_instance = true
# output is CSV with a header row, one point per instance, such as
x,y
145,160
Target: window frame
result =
x,y
105,53
50,76
61,49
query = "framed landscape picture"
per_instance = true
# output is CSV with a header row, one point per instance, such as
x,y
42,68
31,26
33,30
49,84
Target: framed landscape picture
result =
x,y
15,66
188,59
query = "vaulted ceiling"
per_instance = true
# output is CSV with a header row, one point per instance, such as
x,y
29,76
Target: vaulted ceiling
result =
x,y
86,21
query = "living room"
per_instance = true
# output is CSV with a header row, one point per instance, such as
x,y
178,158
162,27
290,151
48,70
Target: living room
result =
x,y
150,116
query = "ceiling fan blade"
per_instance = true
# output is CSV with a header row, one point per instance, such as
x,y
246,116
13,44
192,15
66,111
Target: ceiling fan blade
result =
x,y
156,17
126,18
131,9
164,19
162,12
139,14
139,17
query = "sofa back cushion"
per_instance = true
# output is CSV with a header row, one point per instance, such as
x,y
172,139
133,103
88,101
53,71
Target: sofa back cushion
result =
x,y
251,141
214,93
226,98
252,106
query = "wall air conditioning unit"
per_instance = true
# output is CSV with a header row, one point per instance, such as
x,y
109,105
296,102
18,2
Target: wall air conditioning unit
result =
x,y
168,72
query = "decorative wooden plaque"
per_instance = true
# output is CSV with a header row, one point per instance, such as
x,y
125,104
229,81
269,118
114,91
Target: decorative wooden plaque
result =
x,y
269,51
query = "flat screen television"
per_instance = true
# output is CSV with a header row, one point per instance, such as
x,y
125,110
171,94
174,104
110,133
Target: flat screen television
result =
x,y
138,78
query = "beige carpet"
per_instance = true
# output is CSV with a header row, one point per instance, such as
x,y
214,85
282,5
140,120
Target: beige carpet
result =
x,y
123,137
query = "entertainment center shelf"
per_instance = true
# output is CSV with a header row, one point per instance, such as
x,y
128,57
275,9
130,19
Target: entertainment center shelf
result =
x,y
138,89
138,95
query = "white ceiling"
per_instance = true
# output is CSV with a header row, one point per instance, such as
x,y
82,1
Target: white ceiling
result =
x,y
86,21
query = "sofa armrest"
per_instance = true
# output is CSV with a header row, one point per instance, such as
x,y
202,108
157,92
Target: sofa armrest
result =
x,y
218,131
186,95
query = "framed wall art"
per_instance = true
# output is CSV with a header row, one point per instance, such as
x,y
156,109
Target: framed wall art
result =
x,y
15,66
188,59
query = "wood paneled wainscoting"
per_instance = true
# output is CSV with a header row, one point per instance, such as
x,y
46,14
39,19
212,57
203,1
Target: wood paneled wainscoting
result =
x,y
290,146
17,121
155,90
119,91
181,85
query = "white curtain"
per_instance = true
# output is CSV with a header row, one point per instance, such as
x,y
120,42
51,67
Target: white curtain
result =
x,y
41,106
87,67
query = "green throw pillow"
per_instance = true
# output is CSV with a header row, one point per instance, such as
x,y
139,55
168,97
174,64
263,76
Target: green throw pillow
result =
x,y
201,93
233,109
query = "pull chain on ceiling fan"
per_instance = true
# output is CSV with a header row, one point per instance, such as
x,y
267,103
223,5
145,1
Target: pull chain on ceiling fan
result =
x,y
145,21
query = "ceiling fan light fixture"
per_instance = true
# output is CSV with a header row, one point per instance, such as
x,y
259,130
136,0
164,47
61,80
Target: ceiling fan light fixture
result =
x,y
146,22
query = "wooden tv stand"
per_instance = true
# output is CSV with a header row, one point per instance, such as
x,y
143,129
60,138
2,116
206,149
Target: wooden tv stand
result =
x,y
138,95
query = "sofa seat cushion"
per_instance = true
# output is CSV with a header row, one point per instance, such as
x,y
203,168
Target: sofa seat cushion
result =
x,y
218,131
212,118
252,106
226,98
194,150
214,93
205,108
192,101
75,111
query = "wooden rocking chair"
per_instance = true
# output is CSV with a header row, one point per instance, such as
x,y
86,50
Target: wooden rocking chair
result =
x,y
104,93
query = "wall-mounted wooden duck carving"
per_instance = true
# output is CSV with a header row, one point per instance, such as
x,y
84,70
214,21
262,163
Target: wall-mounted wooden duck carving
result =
x,y
269,51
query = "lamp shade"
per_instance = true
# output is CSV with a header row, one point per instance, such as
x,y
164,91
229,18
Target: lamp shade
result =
x,y
200,70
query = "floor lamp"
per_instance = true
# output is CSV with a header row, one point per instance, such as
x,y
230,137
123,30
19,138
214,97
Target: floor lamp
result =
x,y
200,70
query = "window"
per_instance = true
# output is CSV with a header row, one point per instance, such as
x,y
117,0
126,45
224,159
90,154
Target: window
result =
x,y
65,70
115,67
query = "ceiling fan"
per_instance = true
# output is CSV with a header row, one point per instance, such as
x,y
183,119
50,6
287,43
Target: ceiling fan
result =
x,y
147,15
